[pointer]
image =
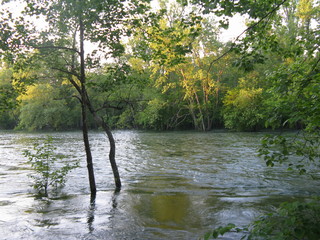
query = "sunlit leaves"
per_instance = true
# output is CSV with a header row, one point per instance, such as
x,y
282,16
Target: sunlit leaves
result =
x,y
243,109
173,44
45,106
170,34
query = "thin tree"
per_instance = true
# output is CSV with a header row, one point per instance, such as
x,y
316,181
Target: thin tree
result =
x,y
68,26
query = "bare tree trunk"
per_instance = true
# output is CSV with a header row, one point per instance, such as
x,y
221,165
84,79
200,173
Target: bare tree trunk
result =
x,y
88,150
84,112
112,152
192,113
202,125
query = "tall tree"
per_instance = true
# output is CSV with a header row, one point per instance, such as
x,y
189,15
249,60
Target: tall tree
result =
x,y
69,27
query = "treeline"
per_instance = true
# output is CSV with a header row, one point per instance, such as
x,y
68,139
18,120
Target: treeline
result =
x,y
170,79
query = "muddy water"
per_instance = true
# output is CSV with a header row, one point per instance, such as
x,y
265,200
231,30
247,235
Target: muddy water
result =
x,y
176,185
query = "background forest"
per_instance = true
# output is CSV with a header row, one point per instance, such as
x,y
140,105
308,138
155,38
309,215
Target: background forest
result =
x,y
172,72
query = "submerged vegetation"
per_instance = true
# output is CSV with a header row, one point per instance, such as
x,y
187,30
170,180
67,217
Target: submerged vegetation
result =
x,y
50,169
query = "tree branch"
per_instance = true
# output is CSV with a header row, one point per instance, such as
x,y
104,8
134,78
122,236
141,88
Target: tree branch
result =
x,y
77,98
57,48
75,85
107,106
246,30
65,71
70,78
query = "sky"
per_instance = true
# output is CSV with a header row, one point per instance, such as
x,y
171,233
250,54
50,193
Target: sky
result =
x,y
236,27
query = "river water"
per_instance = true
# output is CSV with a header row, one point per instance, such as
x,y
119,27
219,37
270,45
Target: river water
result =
x,y
176,185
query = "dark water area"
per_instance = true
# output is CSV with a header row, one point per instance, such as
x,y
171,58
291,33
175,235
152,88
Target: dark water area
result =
x,y
176,185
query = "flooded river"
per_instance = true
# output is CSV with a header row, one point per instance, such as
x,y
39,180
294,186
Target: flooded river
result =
x,y
176,185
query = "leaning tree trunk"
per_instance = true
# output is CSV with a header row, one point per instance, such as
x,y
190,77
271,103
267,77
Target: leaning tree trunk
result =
x,y
112,155
112,152
98,119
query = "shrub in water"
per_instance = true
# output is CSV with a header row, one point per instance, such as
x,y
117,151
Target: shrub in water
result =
x,y
43,160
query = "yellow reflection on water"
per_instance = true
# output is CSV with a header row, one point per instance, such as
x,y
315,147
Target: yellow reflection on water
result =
x,y
170,208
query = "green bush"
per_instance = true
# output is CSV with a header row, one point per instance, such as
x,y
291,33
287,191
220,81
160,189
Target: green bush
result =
x,y
47,107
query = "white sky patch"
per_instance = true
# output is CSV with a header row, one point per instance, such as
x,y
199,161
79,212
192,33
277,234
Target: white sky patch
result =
x,y
15,7
155,4
236,27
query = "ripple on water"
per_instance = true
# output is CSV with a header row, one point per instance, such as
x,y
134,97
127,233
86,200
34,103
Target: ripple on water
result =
x,y
176,185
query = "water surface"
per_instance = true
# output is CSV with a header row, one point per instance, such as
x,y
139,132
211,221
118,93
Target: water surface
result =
x,y
176,185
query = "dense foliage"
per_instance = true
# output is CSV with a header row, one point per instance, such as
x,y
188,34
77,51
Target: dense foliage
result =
x,y
169,79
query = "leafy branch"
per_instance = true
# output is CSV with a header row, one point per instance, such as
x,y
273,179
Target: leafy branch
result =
x,y
233,45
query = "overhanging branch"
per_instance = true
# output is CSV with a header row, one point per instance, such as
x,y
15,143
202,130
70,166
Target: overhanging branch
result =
x,y
75,85
246,30
108,106
70,74
77,98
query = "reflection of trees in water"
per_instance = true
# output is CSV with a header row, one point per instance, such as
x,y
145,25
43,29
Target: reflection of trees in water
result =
x,y
172,209
166,210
